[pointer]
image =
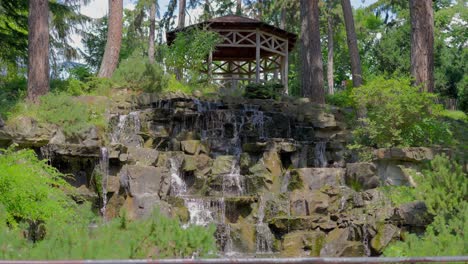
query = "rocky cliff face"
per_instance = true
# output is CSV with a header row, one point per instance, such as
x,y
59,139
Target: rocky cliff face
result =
x,y
274,177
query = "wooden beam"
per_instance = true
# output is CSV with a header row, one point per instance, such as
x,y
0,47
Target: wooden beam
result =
x,y
257,56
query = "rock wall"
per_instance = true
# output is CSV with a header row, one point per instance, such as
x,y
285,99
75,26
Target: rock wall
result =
x,y
274,177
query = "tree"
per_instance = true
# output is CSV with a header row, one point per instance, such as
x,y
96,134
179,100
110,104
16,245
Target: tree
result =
x,y
356,70
312,65
239,7
422,44
114,39
38,49
152,27
330,14
182,7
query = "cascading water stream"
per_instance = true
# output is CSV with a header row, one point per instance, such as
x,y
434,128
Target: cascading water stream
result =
x,y
233,182
264,240
178,186
104,170
320,160
128,126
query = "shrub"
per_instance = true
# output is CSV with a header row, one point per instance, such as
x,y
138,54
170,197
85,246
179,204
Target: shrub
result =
x,y
153,238
263,91
341,98
30,190
444,189
137,73
398,115
76,119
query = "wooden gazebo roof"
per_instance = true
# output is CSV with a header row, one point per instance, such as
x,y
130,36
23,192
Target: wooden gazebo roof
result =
x,y
238,23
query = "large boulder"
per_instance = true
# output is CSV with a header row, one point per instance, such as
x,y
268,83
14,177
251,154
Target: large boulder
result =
x,y
27,132
385,234
222,165
414,214
316,178
140,156
308,202
286,224
361,176
302,244
191,147
141,181
341,242
412,154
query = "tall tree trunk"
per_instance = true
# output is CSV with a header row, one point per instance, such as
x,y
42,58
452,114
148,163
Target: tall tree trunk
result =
x,y
152,27
239,8
422,43
182,6
312,65
38,49
180,24
283,18
356,70
330,80
114,39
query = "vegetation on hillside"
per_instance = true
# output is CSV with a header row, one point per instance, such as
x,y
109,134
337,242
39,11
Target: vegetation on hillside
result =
x,y
40,220
443,186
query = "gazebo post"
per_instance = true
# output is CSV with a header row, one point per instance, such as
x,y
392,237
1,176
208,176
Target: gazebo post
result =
x,y
257,56
210,66
285,69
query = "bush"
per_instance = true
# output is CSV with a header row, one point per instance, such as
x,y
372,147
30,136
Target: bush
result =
x,y
263,91
153,238
444,189
77,118
398,115
137,73
341,98
30,190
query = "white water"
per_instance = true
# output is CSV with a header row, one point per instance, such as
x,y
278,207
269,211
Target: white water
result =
x,y
128,125
178,186
320,160
233,182
104,169
264,240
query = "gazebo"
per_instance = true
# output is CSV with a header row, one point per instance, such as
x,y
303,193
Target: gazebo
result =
x,y
252,51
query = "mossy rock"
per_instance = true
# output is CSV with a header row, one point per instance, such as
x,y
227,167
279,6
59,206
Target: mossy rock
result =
x,y
302,244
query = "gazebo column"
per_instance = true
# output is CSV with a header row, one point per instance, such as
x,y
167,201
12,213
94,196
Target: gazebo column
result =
x,y
257,56
285,69
210,66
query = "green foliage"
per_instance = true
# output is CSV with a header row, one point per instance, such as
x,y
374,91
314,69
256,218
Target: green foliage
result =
x,y
136,72
190,50
341,98
269,90
154,238
398,115
444,189
30,190
12,90
455,115
77,118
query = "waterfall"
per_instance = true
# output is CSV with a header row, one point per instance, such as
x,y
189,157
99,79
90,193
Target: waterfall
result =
x,y
104,170
233,182
320,160
178,185
264,240
205,211
128,126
